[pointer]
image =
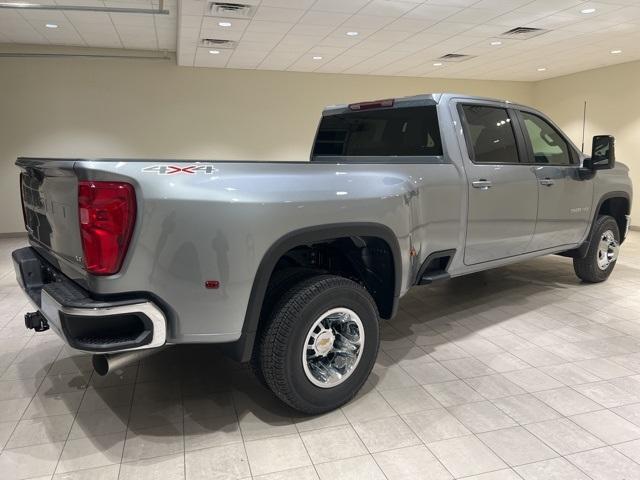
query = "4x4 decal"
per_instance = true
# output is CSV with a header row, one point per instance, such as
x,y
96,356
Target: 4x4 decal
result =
x,y
175,169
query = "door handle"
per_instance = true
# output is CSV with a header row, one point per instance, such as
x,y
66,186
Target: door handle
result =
x,y
547,182
482,184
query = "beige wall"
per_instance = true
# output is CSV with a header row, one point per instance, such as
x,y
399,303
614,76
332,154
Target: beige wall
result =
x,y
123,108
613,107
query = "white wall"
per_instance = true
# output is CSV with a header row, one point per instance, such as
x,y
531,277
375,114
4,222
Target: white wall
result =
x,y
123,108
613,107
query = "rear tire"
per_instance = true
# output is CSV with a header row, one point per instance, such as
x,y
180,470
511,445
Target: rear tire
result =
x,y
280,283
602,253
320,344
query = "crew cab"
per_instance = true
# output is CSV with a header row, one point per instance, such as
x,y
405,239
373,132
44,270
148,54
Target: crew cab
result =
x,y
292,265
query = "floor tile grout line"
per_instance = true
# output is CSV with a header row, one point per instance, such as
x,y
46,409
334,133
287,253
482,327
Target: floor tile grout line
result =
x,y
512,469
13,431
360,438
307,450
622,453
126,432
34,395
517,424
75,416
423,443
244,445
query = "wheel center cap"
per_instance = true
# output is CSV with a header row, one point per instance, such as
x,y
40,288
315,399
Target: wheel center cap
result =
x,y
324,342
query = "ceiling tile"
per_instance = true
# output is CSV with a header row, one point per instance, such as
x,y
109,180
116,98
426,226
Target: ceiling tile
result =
x,y
340,6
323,18
395,37
387,8
276,14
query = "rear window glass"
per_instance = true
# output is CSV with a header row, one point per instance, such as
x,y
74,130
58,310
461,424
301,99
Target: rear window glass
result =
x,y
490,134
404,132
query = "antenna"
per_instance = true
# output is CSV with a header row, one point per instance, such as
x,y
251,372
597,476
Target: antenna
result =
x,y
584,122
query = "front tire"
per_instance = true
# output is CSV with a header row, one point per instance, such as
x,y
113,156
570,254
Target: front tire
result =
x,y
320,344
602,253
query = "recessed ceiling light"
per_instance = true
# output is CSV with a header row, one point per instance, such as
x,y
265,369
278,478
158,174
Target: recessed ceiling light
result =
x,y
224,24
496,43
352,34
542,69
437,64
51,25
587,11
616,52
317,57
214,52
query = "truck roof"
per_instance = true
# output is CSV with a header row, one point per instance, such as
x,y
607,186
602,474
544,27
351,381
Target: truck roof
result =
x,y
415,101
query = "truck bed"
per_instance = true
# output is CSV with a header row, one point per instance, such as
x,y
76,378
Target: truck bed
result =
x,y
216,220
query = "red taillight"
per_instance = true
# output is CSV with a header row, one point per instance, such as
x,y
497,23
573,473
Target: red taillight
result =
x,y
107,213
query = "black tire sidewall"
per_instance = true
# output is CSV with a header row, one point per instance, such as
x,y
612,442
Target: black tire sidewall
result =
x,y
353,298
587,268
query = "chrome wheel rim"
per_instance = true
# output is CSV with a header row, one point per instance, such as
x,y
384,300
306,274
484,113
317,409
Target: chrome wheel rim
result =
x,y
333,347
607,250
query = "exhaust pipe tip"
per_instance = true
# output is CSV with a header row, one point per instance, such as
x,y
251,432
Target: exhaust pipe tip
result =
x,y
103,363
100,364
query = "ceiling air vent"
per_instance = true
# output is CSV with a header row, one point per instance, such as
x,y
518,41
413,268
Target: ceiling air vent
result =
x,y
455,57
524,33
218,43
231,10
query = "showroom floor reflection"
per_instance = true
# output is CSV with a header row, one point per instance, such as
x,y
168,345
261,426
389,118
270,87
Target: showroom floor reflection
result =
x,y
520,371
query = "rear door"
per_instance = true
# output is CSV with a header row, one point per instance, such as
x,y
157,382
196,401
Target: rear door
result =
x,y
503,191
565,198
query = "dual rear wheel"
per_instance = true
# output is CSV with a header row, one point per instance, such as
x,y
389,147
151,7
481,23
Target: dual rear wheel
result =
x,y
320,343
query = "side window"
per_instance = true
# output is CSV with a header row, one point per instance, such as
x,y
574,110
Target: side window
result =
x,y
491,138
548,145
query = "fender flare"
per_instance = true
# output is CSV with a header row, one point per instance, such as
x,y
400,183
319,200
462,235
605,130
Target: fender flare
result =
x,y
581,251
243,348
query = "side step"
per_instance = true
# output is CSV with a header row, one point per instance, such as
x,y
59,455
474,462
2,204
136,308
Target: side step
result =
x,y
435,267
434,276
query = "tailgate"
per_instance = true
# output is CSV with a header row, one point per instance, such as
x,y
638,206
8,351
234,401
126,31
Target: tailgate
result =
x,y
49,190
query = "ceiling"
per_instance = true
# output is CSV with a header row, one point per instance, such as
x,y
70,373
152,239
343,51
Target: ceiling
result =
x,y
394,37
91,28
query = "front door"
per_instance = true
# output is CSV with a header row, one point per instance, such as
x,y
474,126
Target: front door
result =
x,y
564,200
503,192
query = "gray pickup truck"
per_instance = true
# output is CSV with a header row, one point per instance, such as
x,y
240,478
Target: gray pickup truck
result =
x,y
293,264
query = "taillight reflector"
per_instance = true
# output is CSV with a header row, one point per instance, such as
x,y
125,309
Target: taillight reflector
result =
x,y
107,212
24,211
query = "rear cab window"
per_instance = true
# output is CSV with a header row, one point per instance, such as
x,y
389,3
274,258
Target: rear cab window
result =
x,y
386,132
490,134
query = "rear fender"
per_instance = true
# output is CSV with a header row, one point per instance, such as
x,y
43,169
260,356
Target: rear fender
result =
x,y
243,348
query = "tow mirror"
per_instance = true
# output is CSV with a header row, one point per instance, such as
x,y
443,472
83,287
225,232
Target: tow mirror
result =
x,y
603,153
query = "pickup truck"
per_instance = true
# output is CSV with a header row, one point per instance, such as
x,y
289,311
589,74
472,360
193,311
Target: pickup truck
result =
x,y
293,265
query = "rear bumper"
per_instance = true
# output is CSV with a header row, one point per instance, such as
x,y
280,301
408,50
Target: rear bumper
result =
x,y
116,325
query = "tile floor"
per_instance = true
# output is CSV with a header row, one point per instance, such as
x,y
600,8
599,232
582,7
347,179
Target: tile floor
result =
x,y
516,373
